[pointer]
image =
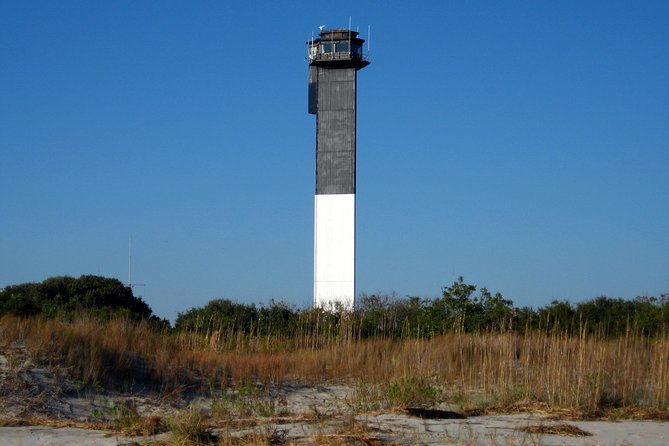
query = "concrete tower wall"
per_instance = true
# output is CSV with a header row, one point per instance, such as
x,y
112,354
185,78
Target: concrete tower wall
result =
x,y
334,232
334,251
334,59
335,130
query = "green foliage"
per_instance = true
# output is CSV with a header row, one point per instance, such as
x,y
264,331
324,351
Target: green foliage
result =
x,y
471,312
463,307
411,391
218,314
242,400
558,314
605,315
67,296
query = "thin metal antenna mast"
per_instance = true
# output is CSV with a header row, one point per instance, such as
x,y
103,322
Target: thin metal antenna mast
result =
x,y
349,36
130,284
311,45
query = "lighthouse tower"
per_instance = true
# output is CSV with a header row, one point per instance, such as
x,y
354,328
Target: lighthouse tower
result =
x,y
334,60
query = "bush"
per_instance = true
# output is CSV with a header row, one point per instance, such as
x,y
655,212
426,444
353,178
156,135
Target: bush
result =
x,y
66,296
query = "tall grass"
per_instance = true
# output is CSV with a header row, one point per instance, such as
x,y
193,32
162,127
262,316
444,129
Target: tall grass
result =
x,y
589,372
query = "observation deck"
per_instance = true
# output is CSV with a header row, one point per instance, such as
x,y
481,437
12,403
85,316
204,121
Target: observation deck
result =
x,y
337,48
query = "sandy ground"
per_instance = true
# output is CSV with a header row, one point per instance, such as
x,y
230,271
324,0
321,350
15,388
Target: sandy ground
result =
x,y
500,430
304,414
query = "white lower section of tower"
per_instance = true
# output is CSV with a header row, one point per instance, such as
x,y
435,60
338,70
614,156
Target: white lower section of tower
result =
x,y
334,251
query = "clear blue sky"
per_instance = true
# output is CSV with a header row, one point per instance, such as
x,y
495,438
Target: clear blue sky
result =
x,y
523,145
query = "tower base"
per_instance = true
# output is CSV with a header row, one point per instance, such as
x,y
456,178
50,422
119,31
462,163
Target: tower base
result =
x,y
334,252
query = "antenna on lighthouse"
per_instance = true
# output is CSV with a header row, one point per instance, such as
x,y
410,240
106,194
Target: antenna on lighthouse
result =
x,y
130,284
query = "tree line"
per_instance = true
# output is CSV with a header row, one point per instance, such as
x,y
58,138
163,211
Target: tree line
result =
x,y
462,307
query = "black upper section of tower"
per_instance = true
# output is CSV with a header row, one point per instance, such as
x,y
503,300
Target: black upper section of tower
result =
x,y
334,60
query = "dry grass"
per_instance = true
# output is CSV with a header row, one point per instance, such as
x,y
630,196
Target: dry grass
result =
x,y
349,432
143,426
348,440
32,420
588,373
566,430
254,439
